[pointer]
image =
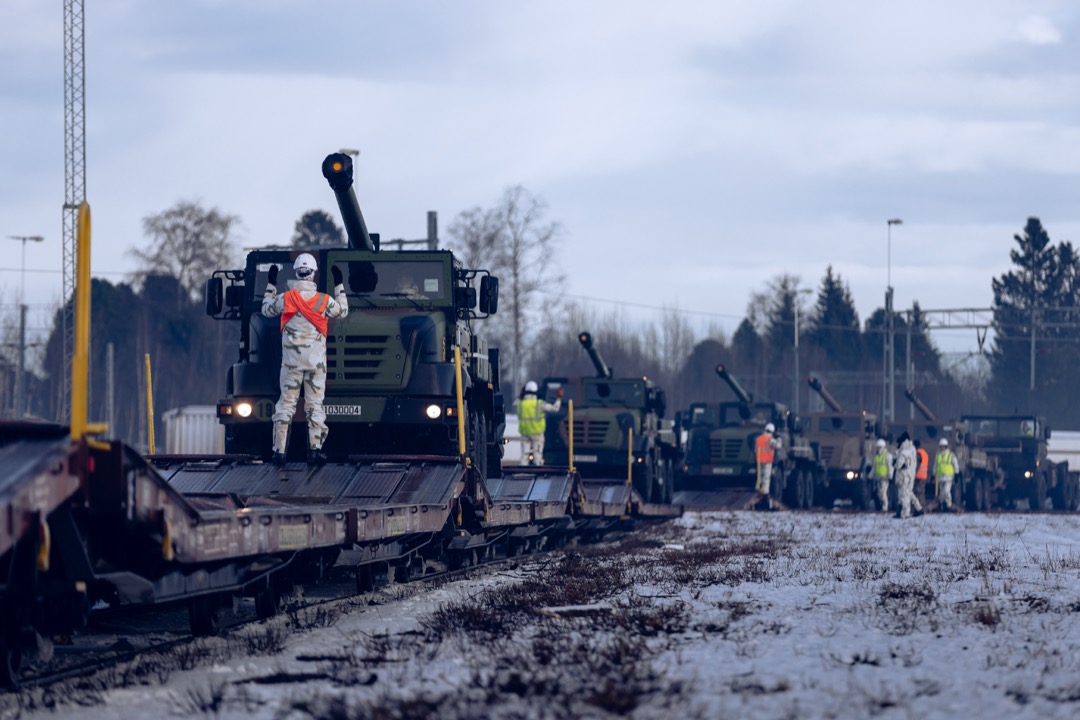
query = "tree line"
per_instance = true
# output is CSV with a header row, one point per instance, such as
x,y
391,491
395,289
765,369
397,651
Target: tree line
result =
x,y
159,311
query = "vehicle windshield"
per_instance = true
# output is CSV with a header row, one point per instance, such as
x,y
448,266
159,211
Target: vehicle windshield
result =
x,y
614,392
1001,427
395,280
848,424
732,413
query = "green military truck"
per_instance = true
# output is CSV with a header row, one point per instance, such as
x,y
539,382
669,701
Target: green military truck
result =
x,y
1026,477
719,448
392,364
844,443
609,414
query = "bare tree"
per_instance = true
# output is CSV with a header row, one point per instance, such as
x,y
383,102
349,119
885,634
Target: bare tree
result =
x,y
526,265
316,228
516,242
476,236
187,242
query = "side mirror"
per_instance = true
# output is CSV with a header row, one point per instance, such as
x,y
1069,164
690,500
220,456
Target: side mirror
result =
x,y
1046,431
489,294
660,403
214,296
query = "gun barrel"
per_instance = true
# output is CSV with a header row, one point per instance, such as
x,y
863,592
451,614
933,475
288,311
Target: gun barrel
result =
x,y
909,393
337,168
816,385
602,370
740,392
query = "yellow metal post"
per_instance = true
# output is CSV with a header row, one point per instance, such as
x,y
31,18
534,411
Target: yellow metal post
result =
x,y
149,406
81,358
630,457
570,434
460,407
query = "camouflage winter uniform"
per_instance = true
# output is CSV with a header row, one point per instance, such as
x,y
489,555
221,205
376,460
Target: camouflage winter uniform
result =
x,y
303,361
907,463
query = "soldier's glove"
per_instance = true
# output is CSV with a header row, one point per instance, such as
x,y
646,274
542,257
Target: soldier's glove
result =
x,y
337,275
271,276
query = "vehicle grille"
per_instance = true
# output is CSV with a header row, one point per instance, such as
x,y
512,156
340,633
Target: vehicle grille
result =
x,y
827,453
360,357
590,432
725,448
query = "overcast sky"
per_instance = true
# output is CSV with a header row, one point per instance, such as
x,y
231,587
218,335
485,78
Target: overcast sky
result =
x,y
692,150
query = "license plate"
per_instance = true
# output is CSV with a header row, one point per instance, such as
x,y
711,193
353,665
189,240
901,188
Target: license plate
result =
x,y
342,410
723,470
585,458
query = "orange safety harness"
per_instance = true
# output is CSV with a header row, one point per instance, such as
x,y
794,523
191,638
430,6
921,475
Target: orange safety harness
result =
x,y
313,310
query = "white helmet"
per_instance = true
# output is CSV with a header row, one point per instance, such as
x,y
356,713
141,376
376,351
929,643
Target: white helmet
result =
x,y
770,428
530,387
305,265
880,443
943,442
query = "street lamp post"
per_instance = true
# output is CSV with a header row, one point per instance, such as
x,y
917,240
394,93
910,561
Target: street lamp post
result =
x,y
795,380
20,372
888,388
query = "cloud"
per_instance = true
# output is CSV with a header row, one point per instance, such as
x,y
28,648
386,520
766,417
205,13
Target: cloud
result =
x,y
1037,30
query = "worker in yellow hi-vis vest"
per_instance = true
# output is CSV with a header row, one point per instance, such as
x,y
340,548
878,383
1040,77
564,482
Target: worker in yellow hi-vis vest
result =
x,y
532,420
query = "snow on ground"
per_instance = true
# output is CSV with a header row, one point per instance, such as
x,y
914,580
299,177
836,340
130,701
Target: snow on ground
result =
x,y
748,615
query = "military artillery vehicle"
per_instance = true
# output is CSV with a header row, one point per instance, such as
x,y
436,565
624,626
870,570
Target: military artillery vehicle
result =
x,y
719,448
1018,444
395,365
844,443
608,411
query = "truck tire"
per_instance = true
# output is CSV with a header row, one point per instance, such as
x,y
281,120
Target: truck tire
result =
x,y
1037,491
864,495
811,477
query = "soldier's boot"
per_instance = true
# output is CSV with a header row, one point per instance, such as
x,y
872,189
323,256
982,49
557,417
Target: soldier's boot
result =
x,y
278,459
316,457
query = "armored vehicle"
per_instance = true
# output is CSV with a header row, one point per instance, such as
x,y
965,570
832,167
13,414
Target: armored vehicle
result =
x,y
609,414
719,447
844,443
1018,443
395,365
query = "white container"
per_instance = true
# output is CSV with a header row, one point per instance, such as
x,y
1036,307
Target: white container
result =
x,y
514,449
193,430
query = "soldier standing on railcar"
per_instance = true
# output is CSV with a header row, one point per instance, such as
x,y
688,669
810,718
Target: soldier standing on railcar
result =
x,y
532,420
304,312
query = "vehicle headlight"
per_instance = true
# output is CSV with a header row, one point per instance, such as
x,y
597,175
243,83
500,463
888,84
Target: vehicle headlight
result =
x,y
851,475
1027,473
244,409
433,411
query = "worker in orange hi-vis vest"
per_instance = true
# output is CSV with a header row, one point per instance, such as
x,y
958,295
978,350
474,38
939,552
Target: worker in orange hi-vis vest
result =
x,y
922,472
304,312
765,449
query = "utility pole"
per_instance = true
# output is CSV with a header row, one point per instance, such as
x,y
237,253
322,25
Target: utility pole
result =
x,y
888,404
20,373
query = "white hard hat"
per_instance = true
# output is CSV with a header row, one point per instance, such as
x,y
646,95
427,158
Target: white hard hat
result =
x,y
305,265
943,442
880,443
769,427
530,387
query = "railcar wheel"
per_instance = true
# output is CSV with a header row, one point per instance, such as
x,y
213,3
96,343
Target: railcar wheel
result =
x,y
205,615
267,603
11,660
365,579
